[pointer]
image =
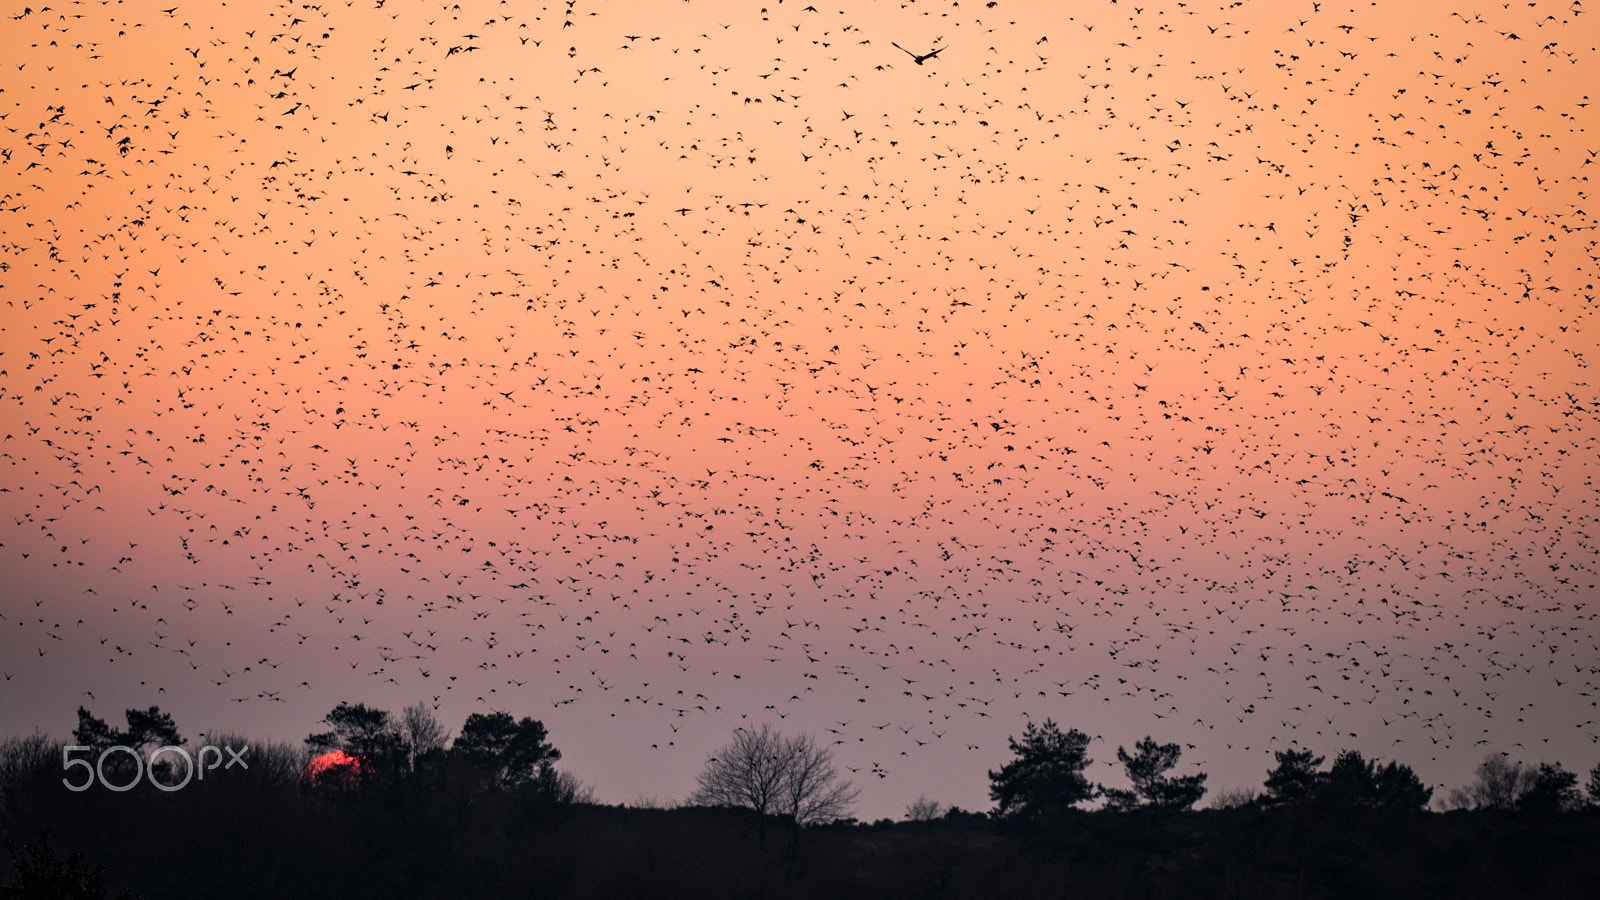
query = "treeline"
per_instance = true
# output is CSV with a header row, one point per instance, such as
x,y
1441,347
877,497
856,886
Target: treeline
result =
x,y
1048,776
379,804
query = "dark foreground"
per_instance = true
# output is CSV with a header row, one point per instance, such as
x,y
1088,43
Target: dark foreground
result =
x,y
244,840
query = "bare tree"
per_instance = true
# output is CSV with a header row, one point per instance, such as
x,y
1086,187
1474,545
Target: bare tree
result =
x,y
27,764
271,764
924,810
811,792
768,774
569,789
746,774
1233,798
1499,784
423,732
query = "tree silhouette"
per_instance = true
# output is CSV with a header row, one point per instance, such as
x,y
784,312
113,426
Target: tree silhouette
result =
x,y
811,792
924,810
94,732
1594,785
747,774
568,789
1552,790
450,826
1398,787
30,771
770,775
1350,782
368,734
1046,778
1295,780
148,729
1353,781
1498,784
151,728
1152,789
424,735
1233,798
513,753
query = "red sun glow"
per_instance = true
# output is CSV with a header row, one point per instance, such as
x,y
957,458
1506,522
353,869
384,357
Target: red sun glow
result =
x,y
334,768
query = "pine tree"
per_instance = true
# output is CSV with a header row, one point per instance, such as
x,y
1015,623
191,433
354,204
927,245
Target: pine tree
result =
x,y
1152,789
1046,778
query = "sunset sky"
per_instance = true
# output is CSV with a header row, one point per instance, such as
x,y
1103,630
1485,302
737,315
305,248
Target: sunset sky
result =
x,y
1217,372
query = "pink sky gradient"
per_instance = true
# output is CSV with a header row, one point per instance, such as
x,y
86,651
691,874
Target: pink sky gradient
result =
x,y
1214,372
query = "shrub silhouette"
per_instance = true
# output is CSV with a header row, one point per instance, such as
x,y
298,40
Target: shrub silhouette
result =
x,y
41,875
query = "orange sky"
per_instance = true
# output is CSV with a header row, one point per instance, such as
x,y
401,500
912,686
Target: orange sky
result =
x,y
1217,373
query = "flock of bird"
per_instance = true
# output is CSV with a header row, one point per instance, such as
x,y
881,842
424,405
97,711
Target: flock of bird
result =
x,y
1206,372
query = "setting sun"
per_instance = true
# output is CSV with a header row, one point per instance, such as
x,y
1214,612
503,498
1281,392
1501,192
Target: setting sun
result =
x,y
335,768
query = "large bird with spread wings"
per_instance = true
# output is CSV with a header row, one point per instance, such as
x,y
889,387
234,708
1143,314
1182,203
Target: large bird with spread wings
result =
x,y
920,59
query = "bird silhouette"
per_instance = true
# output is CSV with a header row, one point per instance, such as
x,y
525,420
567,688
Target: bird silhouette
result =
x,y
920,58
